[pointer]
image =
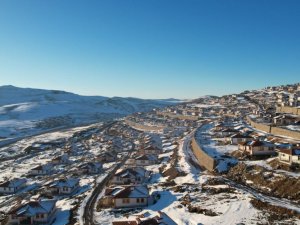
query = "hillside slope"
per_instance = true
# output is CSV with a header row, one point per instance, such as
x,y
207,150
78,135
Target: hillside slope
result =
x,y
25,110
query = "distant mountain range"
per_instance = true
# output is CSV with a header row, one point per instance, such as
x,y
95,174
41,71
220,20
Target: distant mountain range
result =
x,y
27,110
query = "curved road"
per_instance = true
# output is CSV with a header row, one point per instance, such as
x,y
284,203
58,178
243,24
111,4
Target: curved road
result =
x,y
88,214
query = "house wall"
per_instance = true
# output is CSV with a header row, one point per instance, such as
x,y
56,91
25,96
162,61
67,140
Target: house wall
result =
x,y
262,152
239,140
7,190
284,157
106,202
42,220
67,190
131,180
132,203
203,158
12,220
296,159
39,172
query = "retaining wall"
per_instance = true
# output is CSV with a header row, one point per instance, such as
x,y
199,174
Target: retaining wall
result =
x,y
277,131
288,109
285,132
203,158
139,126
182,117
259,126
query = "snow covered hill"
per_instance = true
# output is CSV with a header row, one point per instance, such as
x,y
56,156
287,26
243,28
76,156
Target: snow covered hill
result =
x,y
25,111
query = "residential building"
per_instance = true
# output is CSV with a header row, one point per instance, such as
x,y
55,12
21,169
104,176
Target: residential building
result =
x,y
289,156
33,212
12,186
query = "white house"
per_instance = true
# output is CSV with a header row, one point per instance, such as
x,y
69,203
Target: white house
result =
x,y
257,147
63,159
146,160
128,196
226,132
12,186
64,186
151,150
289,156
238,138
107,157
133,175
33,212
41,170
92,167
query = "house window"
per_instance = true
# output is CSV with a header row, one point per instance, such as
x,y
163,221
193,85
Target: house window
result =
x,y
38,216
126,200
138,200
142,200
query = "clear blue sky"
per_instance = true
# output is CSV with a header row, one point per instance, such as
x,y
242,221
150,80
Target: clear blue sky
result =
x,y
149,48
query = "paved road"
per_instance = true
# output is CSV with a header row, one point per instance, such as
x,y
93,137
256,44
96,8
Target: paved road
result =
x,y
88,214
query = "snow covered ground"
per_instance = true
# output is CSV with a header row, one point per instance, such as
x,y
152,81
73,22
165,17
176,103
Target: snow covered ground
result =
x,y
25,111
211,147
228,205
293,127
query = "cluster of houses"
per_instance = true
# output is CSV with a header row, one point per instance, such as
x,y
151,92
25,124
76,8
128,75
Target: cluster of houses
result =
x,y
128,187
292,98
171,126
56,184
40,211
252,143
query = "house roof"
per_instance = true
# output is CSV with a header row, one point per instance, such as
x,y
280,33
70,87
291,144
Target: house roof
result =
x,y
64,182
134,171
90,165
61,157
13,183
131,191
34,207
256,143
42,167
